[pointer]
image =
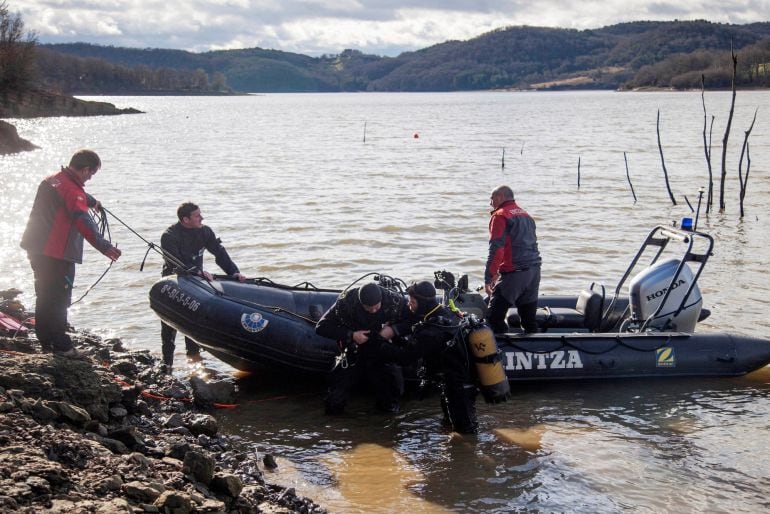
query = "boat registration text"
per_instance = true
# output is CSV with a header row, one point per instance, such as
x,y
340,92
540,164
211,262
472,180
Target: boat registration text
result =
x,y
560,359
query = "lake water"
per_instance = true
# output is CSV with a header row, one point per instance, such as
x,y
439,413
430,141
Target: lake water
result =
x,y
296,194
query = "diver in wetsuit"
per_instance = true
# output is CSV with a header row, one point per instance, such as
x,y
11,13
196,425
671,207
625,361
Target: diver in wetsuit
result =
x,y
447,358
360,315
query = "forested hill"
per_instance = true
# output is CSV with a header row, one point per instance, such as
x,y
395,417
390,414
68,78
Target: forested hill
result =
x,y
638,54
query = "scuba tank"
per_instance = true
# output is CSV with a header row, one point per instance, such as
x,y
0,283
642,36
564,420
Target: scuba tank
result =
x,y
489,366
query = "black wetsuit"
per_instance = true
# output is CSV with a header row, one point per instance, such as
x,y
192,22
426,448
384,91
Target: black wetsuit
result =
x,y
360,363
448,362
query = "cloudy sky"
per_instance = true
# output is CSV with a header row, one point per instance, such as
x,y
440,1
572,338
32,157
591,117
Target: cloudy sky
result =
x,y
315,27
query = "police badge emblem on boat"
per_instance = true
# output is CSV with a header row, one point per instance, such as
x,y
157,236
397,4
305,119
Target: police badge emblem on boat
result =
x,y
253,322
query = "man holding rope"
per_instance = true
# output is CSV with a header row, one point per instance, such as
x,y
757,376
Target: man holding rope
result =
x,y
183,243
53,239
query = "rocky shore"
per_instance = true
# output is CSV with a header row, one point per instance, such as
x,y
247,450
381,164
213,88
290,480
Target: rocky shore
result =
x,y
34,104
10,142
113,432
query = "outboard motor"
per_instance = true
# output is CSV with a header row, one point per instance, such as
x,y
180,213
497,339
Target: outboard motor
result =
x,y
651,286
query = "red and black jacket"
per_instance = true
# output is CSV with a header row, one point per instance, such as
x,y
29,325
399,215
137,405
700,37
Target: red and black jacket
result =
x,y
59,220
512,241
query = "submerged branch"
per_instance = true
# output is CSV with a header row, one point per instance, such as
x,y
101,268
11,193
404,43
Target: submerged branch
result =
x,y
628,176
663,163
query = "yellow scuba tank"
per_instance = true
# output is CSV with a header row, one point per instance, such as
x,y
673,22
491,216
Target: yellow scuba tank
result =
x,y
489,367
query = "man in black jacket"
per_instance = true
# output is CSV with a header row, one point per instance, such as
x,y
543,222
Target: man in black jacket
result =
x,y
360,315
185,241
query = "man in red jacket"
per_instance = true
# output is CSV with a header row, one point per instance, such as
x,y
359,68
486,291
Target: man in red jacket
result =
x,y
512,275
53,239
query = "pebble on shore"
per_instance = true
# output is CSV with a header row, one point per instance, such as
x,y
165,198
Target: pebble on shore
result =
x,y
113,432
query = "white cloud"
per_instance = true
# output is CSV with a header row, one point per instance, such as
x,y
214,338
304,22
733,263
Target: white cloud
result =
x,y
385,27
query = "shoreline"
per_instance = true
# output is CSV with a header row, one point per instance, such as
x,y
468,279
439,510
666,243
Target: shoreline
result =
x,y
113,432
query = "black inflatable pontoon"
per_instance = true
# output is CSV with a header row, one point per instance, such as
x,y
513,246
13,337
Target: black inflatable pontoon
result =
x,y
650,332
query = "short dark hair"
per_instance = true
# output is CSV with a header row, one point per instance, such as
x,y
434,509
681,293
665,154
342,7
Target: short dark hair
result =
x,y
185,210
85,159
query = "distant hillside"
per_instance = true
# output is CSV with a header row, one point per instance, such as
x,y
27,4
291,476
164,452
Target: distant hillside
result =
x,y
638,54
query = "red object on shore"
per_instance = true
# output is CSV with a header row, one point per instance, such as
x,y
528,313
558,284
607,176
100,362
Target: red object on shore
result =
x,y
11,325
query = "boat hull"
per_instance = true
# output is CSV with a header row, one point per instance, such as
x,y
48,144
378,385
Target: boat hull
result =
x,y
253,327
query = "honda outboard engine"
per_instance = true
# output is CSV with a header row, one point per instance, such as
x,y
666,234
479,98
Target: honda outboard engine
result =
x,y
649,288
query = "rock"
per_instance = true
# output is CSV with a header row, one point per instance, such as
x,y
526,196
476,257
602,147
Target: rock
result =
x,y
203,424
117,505
8,504
174,501
10,142
178,449
126,435
213,391
227,484
40,411
113,483
125,367
118,412
200,466
115,446
72,413
269,461
140,491
174,421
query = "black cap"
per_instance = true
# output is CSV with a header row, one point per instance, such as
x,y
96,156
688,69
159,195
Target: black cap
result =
x,y
370,294
422,290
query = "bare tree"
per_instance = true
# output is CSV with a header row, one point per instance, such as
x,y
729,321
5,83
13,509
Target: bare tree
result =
x,y
707,143
745,150
17,51
727,136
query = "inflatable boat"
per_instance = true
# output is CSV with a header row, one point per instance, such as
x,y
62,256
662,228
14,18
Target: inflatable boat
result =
x,y
643,327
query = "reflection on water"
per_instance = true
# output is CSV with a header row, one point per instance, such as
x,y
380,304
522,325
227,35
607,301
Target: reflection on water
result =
x,y
295,195
659,445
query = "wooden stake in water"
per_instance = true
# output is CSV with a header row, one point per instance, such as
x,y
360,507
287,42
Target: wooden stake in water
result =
x,y
578,172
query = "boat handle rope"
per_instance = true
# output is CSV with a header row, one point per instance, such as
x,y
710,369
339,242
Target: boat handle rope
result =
x,y
618,341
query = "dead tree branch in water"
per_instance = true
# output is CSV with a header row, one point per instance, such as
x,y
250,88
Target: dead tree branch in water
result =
x,y
727,135
578,172
628,176
745,150
663,163
707,144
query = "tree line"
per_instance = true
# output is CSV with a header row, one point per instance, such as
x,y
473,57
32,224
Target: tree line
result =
x,y
25,65
628,55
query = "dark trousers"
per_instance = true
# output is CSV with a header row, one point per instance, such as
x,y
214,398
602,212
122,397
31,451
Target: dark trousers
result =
x,y
168,337
458,401
498,308
53,292
520,289
387,381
